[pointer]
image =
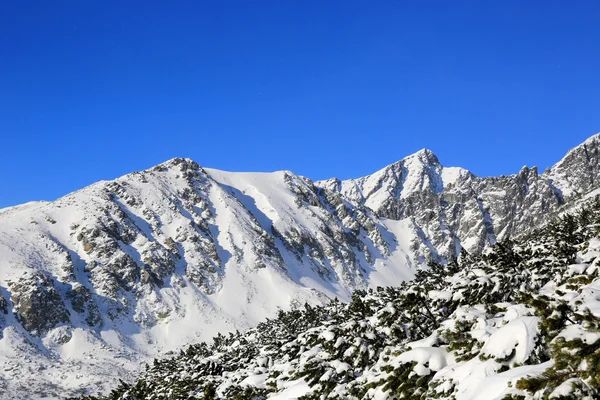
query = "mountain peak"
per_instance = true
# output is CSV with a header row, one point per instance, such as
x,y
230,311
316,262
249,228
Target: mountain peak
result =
x,y
179,161
595,137
424,155
577,172
593,142
424,151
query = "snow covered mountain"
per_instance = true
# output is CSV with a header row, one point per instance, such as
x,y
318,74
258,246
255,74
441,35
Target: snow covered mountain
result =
x,y
452,208
96,282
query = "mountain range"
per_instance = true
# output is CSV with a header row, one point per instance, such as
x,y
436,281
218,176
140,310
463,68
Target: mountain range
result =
x,y
96,283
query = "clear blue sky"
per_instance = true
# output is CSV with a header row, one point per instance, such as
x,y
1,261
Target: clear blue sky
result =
x,y
92,90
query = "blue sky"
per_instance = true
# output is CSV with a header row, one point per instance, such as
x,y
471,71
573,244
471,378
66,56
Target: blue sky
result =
x,y
94,90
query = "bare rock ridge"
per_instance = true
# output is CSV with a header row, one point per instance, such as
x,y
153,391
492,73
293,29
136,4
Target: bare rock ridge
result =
x,y
104,278
455,209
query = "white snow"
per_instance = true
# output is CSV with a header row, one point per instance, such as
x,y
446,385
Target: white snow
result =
x,y
518,336
293,390
436,358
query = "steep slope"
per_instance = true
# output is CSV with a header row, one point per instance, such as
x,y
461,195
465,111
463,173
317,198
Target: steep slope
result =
x,y
95,283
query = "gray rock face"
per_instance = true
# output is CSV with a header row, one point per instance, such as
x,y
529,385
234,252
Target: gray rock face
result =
x,y
579,171
37,303
3,305
82,303
453,209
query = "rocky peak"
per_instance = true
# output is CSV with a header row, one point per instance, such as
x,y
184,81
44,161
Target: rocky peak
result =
x,y
579,170
453,208
423,156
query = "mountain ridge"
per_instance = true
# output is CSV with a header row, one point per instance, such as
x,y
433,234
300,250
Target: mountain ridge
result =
x,y
177,253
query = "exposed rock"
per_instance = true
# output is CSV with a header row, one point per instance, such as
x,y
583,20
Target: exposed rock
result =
x,y
59,336
159,260
454,208
37,303
3,305
579,171
82,303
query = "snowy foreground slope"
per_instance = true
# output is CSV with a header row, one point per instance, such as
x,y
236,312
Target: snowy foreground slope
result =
x,y
96,282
